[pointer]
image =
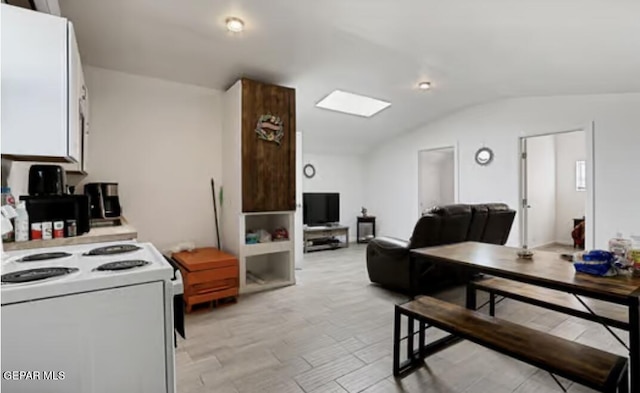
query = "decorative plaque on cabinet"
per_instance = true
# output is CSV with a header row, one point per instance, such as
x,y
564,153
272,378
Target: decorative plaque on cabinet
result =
x,y
270,128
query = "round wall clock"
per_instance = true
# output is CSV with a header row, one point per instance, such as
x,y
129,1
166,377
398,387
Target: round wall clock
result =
x,y
309,171
484,156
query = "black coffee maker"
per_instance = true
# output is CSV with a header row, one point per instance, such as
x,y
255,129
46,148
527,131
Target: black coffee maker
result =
x,y
103,200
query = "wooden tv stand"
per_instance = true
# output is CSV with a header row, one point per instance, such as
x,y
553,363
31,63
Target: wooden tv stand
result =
x,y
328,234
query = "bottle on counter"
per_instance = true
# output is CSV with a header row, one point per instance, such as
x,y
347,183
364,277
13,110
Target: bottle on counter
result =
x,y
21,226
620,247
8,199
71,228
47,230
633,255
58,229
36,231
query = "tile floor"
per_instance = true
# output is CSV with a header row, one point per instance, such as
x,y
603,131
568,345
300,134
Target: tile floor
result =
x,y
331,333
560,248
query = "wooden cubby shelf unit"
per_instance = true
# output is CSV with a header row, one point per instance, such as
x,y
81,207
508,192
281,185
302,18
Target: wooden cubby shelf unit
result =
x,y
259,181
271,264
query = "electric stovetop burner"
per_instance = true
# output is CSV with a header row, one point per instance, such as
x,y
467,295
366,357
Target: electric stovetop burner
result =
x,y
30,275
45,256
122,265
113,250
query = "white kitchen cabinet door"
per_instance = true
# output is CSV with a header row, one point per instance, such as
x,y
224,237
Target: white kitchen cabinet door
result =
x,y
78,109
84,107
35,111
75,92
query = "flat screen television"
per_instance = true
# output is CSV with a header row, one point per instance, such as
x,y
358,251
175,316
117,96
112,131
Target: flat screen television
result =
x,y
320,208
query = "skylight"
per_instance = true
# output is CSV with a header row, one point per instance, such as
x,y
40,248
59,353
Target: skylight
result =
x,y
353,104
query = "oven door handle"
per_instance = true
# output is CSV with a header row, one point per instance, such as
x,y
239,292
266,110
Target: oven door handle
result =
x,y
178,316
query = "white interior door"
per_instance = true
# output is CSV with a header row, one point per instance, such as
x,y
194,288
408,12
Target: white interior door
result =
x,y
550,196
436,178
298,215
541,193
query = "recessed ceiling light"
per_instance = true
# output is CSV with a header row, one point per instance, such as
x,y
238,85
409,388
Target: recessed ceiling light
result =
x,y
353,104
235,25
424,85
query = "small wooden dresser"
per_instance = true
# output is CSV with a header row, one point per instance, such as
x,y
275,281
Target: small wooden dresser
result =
x,y
209,275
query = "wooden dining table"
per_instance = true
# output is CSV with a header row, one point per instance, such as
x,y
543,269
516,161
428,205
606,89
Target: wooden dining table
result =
x,y
548,270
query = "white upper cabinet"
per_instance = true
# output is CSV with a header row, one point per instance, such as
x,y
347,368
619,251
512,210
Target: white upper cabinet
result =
x,y
83,123
40,87
78,108
75,92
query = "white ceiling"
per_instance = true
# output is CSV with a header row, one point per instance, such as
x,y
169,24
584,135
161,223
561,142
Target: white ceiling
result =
x,y
473,52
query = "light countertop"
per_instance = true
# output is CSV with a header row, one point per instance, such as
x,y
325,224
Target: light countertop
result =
x,y
95,235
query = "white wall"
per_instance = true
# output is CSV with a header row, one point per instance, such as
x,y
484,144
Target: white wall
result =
x,y
161,141
391,170
541,182
232,174
16,175
343,174
570,204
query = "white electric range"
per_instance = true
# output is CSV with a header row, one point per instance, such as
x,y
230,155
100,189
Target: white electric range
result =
x,y
88,318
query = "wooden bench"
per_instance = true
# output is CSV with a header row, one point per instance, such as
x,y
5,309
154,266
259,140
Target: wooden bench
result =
x,y
593,310
596,369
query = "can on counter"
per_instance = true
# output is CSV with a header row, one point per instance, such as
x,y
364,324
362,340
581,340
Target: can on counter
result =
x,y
58,229
47,230
36,231
72,229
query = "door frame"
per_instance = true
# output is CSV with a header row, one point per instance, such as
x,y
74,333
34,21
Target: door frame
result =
x,y
590,219
298,250
456,169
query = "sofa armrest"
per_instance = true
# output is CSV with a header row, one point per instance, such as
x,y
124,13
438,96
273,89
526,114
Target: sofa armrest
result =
x,y
388,263
390,246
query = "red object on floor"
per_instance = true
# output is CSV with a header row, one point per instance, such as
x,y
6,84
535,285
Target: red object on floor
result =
x,y
578,235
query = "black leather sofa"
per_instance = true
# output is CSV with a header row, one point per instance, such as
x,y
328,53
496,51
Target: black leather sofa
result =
x,y
388,258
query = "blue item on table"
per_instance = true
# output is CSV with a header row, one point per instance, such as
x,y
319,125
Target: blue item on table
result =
x,y
598,255
593,268
597,263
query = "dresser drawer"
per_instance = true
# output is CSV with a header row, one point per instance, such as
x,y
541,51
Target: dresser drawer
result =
x,y
207,297
209,287
192,278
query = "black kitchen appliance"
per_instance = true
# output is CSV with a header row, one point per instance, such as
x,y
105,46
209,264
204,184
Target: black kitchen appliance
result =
x,y
121,265
178,301
46,180
53,208
37,274
103,200
112,250
44,256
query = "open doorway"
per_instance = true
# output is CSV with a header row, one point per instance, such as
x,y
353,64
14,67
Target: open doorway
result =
x,y
556,192
436,178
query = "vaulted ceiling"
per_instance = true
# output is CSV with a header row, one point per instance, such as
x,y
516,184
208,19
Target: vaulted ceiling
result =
x,y
472,51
